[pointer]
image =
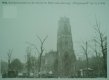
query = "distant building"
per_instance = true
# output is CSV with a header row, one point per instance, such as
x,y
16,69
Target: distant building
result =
x,y
66,56
49,62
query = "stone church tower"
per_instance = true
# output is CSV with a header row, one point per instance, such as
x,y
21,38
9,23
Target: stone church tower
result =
x,y
66,56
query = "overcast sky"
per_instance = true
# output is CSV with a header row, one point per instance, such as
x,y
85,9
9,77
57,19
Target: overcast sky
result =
x,y
21,23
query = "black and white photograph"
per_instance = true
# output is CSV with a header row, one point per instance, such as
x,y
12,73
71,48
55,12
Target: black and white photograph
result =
x,y
54,39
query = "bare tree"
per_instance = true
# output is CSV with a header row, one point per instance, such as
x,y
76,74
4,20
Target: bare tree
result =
x,y
28,50
102,41
85,49
33,64
40,51
96,51
9,54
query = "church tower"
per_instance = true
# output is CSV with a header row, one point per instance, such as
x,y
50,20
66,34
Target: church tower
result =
x,y
66,56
